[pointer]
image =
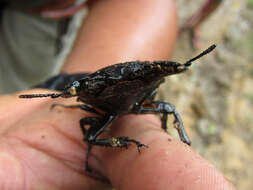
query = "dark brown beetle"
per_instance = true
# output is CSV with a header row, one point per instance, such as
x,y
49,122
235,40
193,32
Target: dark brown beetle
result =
x,y
124,88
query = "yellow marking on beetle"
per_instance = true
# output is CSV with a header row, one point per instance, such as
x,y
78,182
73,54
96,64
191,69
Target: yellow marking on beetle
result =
x,y
115,142
148,105
181,67
72,91
159,67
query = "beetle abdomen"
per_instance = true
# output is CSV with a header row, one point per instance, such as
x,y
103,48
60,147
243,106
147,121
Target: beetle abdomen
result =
x,y
121,97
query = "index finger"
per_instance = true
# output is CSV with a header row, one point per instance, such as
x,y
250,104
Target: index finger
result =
x,y
166,164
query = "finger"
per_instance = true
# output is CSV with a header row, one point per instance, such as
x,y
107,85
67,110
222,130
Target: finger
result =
x,y
164,165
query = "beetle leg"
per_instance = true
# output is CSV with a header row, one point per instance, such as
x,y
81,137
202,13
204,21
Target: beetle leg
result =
x,y
152,95
97,126
149,97
117,142
107,122
95,130
80,106
94,123
165,108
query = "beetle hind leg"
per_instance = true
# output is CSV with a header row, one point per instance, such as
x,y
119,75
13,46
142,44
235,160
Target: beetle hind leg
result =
x,y
165,108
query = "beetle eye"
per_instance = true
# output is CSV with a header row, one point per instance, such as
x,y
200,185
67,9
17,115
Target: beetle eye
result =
x,y
72,91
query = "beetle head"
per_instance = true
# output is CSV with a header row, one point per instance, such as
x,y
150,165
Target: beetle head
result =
x,y
170,67
71,90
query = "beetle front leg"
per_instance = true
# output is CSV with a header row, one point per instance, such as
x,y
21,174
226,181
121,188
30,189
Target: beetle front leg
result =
x,y
165,108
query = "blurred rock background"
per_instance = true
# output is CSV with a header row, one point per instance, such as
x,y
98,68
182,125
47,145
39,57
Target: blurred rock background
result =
x,y
215,97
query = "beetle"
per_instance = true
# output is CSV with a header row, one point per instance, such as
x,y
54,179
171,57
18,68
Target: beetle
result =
x,y
124,88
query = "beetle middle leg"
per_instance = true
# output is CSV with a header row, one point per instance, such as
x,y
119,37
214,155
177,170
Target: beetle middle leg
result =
x,y
91,136
121,141
97,126
165,108
94,123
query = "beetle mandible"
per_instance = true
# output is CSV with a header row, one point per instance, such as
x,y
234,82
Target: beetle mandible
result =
x,y
124,88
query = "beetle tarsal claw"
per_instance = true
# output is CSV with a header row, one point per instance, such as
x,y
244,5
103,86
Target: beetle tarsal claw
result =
x,y
125,142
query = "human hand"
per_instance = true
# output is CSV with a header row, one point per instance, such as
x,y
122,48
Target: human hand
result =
x,y
43,149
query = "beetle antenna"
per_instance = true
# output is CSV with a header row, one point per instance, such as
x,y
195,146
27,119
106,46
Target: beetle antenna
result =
x,y
53,95
208,50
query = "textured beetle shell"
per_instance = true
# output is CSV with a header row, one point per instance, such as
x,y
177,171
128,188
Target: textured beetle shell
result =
x,y
116,89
